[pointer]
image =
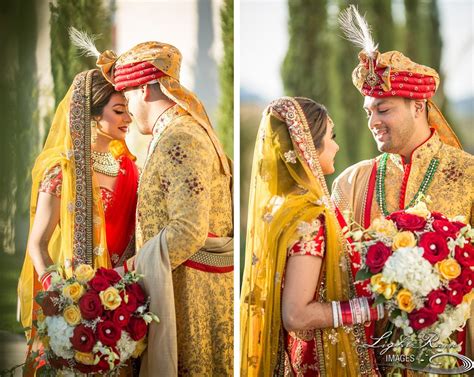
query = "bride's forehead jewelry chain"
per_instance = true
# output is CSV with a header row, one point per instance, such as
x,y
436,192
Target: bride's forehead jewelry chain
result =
x,y
105,163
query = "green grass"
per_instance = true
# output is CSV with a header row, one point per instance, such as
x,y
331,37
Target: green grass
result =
x,y
10,266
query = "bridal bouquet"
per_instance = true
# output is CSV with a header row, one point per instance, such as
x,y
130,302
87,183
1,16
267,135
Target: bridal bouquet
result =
x,y
421,266
92,322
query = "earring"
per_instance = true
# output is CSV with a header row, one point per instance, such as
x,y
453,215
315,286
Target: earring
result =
x,y
93,131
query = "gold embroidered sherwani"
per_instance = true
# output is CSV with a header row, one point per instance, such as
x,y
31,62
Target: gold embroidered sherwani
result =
x,y
183,190
451,191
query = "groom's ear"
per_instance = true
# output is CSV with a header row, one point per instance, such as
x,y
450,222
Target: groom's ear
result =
x,y
146,93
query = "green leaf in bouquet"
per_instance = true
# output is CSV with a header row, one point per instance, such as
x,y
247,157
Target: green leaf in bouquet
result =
x,y
40,297
363,274
395,313
46,371
380,299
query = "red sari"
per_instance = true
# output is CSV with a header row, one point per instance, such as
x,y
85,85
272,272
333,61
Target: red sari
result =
x,y
119,207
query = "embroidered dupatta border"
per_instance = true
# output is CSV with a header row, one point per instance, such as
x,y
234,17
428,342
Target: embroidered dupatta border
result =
x,y
81,142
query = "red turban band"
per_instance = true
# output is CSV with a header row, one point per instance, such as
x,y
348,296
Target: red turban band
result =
x,y
135,74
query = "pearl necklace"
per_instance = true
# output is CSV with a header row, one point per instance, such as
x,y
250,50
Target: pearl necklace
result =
x,y
380,183
105,163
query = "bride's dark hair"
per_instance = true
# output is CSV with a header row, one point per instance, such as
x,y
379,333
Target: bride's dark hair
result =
x,y
316,116
102,90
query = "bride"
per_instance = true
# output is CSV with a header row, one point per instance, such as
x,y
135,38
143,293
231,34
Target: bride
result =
x,y
84,191
300,314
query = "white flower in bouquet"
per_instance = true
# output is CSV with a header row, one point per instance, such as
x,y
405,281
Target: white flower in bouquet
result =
x,y
59,333
126,346
407,267
451,320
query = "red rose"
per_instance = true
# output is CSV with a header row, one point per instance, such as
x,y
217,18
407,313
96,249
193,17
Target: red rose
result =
x,y
47,302
108,333
83,338
137,328
465,255
110,275
58,362
131,303
406,221
435,247
455,293
422,318
99,283
459,225
377,255
436,301
121,316
445,228
90,306
103,365
466,280
84,368
438,216
138,292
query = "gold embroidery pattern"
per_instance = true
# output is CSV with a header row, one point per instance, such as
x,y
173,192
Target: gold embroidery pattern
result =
x,y
205,343
80,135
454,175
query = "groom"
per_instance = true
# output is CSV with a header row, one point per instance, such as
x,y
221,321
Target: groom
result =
x,y
184,214
421,154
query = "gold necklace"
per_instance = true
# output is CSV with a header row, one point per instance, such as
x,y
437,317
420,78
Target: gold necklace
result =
x,y
105,163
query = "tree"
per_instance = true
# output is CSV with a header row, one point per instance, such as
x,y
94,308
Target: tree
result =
x,y
225,120
306,64
18,101
90,16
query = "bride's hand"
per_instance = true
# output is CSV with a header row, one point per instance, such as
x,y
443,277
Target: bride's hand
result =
x,y
120,270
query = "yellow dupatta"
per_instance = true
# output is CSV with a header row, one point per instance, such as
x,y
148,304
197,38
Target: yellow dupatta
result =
x,y
288,187
80,235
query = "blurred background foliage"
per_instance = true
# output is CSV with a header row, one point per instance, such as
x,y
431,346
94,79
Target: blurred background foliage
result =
x,y
319,63
225,116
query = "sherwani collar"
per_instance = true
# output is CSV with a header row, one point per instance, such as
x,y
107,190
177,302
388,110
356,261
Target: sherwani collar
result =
x,y
165,119
161,124
422,154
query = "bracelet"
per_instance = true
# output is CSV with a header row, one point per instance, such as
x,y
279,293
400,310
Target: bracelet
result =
x,y
346,312
335,321
367,314
45,280
339,313
356,311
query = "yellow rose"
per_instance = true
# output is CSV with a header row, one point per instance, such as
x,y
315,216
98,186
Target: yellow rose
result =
x,y
383,226
84,273
405,300
110,298
419,209
72,315
381,287
86,358
449,268
139,348
74,291
403,239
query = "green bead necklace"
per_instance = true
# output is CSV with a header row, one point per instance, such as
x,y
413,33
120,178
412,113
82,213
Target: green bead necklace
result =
x,y
380,183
